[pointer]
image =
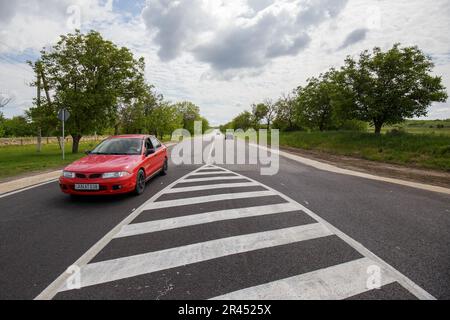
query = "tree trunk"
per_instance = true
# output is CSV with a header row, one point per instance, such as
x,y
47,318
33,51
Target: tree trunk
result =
x,y
39,140
59,142
76,143
378,127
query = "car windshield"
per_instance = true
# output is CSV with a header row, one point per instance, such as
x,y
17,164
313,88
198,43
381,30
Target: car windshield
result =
x,y
119,147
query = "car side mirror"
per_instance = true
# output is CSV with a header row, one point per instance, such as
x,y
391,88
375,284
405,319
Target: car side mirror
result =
x,y
150,152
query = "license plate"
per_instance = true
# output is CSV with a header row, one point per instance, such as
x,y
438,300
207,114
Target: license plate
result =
x,y
87,187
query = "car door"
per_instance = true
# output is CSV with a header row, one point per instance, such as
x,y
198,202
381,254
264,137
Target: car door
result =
x,y
160,155
150,160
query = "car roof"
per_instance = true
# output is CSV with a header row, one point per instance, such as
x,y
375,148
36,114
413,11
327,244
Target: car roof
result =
x,y
131,136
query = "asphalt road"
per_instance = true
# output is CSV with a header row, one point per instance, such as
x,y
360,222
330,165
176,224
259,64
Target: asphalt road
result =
x,y
228,232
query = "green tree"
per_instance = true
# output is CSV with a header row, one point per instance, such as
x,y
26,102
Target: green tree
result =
x,y
243,121
2,127
285,113
315,103
164,119
190,113
388,87
259,112
205,124
45,118
18,127
91,77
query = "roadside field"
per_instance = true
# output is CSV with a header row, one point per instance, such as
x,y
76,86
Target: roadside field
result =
x,y
18,160
435,127
419,150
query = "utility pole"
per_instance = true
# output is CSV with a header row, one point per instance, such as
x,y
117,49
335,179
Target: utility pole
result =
x,y
38,102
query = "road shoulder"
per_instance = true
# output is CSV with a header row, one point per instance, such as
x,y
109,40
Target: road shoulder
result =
x,y
27,182
321,165
408,173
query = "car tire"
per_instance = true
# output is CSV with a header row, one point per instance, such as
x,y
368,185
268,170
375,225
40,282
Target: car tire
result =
x,y
140,183
165,168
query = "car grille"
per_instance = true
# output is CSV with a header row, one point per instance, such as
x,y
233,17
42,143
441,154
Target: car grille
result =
x,y
88,176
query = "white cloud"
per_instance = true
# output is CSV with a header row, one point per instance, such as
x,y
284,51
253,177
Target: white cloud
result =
x,y
225,55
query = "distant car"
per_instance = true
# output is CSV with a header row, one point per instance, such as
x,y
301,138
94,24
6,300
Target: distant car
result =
x,y
229,136
120,164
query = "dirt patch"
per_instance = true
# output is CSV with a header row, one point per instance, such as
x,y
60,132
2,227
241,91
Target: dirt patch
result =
x,y
433,177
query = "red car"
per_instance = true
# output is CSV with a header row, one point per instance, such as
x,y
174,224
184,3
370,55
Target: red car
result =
x,y
121,164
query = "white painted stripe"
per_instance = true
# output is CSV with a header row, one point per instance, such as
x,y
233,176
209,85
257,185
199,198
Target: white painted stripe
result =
x,y
407,283
122,268
7,194
209,173
179,222
212,179
53,288
218,197
335,283
213,187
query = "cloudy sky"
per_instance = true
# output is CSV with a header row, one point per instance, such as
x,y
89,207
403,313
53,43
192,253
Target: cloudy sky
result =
x,y
224,55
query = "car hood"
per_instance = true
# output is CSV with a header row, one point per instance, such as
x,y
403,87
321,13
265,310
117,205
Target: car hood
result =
x,y
104,163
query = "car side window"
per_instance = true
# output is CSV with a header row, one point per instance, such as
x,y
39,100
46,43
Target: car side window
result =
x,y
148,144
156,143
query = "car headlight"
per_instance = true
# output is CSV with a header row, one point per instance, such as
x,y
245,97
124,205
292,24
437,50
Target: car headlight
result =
x,y
111,175
69,175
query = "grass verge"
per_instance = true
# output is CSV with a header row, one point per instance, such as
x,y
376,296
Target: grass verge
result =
x,y
18,160
419,150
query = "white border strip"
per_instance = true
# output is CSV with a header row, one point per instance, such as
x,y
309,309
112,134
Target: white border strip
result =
x,y
7,194
203,218
402,279
338,282
132,266
205,199
51,291
213,187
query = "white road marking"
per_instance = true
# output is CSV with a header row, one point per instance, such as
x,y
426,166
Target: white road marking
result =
x,y
407,283
122,268
211,179
179,222
199,174
7,194
205,199
334,283
213,187
156,261
51,291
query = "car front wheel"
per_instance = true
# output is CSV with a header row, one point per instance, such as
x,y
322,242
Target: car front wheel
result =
x,y
140,182
165,168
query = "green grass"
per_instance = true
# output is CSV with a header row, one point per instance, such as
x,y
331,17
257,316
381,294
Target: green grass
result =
x,y
422,150
436,127
18,160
